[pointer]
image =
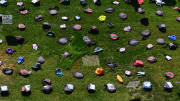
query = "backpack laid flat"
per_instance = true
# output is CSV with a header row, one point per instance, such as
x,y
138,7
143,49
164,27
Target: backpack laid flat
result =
x,y
23,10
138,63
83,2
46,81
53,11
88,10
7,71
21,26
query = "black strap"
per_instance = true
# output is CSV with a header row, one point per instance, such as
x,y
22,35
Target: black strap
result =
x,y
165,45
56,7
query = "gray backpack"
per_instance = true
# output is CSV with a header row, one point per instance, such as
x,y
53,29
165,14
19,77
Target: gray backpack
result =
x,y
141,11
159,12
53,11
110,88
68,88
123,16
91,88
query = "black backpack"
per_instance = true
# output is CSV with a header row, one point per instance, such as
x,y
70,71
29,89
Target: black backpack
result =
x,y
97,2
46,25
83,2
7,71
172,46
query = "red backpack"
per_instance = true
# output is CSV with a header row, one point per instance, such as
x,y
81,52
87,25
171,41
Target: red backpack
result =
x,y
138,63
88,10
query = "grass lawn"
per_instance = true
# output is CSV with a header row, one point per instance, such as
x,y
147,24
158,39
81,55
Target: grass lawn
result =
x,y
51,50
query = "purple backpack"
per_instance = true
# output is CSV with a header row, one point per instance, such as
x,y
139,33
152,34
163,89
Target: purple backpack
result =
x,y
10,51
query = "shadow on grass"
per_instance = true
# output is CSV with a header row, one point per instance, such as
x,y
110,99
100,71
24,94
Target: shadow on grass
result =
x,y
138,99
134,4
178,94
170,2
26,93
11,41
4,94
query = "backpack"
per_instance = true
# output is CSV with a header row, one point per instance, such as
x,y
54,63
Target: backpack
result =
x,y
127,1
133,42
20,60
66,54
21,26
159,12
151,59
38,18
36,66
93,30
4,3
145,34
50,33
63,41
53,11
109,10
110,88
9,51
141,11
114,36
110,25
138,63
167,86
7,71
46,81
20,39
23,10
24,72
77,27
162,27
68,88
172,37
36,2
83,2
172,46
161,41
40,60
46,25
97,2
88,10
1,17
144,21
112,65
58,72
26,90
67,2
88,41
147,85
78,75
91,88
123,16
47,89
169,75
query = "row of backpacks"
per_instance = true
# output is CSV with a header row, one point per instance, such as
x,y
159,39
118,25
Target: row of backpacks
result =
x,y
69,88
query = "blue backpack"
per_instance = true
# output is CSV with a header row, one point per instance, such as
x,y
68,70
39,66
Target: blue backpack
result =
x,y
172,37
58,72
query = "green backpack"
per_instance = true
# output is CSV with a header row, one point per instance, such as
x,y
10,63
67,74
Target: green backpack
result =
x,y
50,33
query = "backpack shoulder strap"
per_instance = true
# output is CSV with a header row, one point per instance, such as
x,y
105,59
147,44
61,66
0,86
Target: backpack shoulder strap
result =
x,y
56,7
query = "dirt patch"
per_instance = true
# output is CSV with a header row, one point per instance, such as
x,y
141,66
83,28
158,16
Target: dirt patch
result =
x,y
133,84
92,60
76,64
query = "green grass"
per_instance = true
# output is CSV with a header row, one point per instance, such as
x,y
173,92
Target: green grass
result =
x,y
51,50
